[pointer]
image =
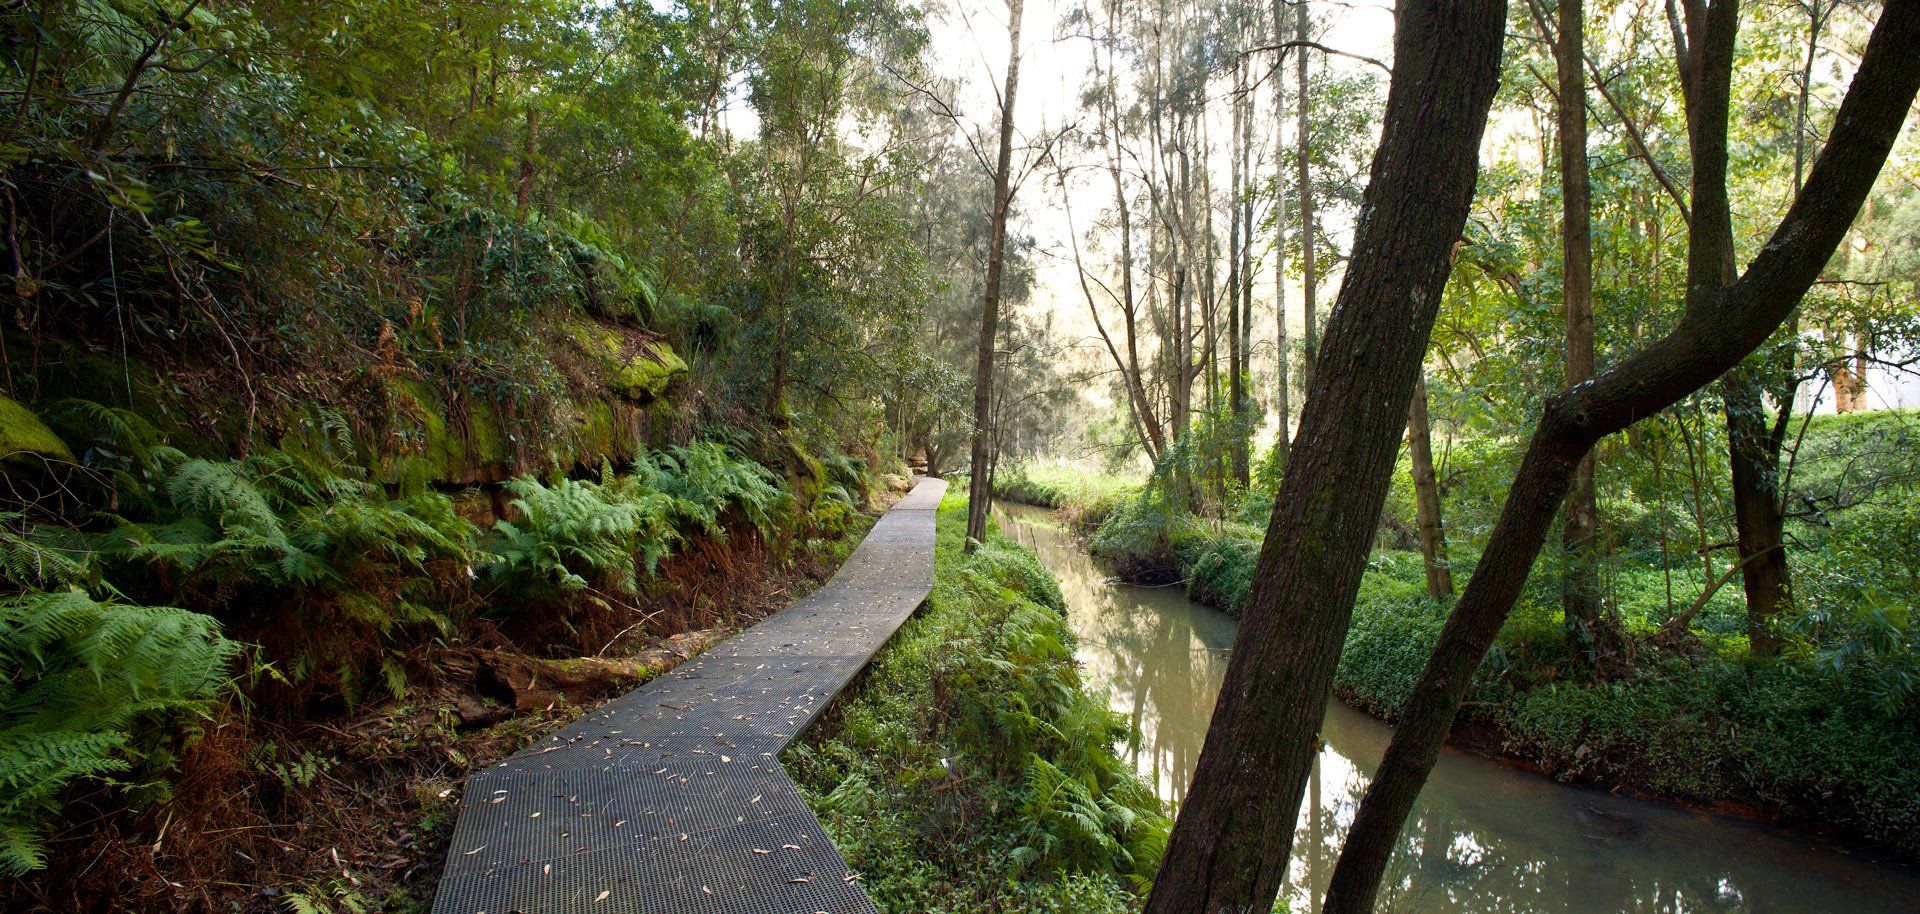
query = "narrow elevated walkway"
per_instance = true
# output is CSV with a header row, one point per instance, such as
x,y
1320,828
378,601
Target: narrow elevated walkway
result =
x,y
671,798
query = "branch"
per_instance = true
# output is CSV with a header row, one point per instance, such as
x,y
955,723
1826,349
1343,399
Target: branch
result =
x,y
1285,46
169,24
1640,143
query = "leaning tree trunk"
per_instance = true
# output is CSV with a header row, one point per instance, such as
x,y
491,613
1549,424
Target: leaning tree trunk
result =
x,y
1721,325
978,498
1230,844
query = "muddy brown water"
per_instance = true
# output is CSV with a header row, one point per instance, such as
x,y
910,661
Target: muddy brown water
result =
x,y
1485,838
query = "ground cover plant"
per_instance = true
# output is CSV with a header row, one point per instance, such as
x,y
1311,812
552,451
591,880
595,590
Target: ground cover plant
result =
x,y
969,768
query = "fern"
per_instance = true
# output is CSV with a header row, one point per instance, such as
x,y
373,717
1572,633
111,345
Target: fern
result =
x,y
41,556
576,536
706,480
82,682
1018,710
283,520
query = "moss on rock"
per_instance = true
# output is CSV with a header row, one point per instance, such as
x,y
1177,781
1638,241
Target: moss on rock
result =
x,y
23,436
646,377
481,455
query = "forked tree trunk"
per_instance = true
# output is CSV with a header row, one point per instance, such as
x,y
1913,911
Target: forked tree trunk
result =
x,y
1758,519
1229,847
1721,325
1426,495
978,498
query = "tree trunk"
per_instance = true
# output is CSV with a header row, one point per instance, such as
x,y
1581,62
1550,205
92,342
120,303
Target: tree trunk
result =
x,y
1721,325
1237,278
1588,630
1128,304
1283,393
1230,844
1304,178
1758,519
1426,495
978,498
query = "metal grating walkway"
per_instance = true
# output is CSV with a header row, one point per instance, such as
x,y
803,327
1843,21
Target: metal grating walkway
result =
x,y
671,799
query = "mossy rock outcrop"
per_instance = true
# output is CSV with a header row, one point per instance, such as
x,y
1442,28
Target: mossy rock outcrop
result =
x,y
646,377
633,367
481,454
24,439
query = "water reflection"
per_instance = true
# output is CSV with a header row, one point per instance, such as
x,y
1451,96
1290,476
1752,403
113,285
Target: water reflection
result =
x,y
1484,837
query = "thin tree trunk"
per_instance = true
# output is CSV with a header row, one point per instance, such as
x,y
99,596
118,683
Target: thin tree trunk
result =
x,y
523,195
1587,628
1129,305
1229,848
1720,325
1135,397
1426,495
1283,382
1304,178
979,499
1237,277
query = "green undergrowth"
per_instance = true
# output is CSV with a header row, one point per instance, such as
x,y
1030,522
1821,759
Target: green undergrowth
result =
x,y
286,583
1795,737
971,770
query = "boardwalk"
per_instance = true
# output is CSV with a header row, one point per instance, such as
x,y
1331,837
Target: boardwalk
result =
x,y
671,798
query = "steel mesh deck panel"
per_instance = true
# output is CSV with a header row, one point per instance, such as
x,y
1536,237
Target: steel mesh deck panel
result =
x,y
671,799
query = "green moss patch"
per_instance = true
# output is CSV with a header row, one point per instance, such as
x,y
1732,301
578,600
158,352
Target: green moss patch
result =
x,y
646,377
23,436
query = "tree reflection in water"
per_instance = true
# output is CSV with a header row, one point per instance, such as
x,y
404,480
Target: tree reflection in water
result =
x,y
1485,838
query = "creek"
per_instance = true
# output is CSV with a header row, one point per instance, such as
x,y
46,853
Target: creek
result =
x,y
1485,837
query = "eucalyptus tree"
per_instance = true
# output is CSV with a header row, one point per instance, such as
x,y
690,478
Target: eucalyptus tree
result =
x,y
979,496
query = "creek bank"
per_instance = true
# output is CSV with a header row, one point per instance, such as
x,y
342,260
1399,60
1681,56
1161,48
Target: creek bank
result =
x,y
1770,741
969,769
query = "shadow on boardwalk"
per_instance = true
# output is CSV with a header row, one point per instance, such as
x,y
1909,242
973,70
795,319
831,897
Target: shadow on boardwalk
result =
x,y
671,798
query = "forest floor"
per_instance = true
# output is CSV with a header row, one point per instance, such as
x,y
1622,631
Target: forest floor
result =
x,y
352,811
